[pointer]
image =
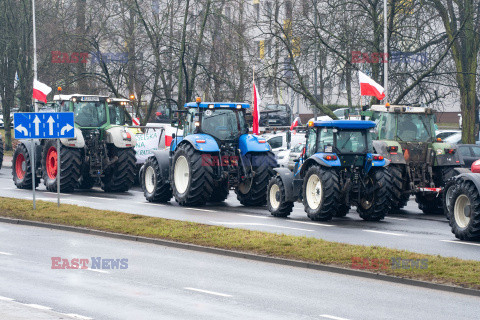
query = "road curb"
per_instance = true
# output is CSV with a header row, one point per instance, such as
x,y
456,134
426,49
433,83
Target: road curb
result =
x,y
250,256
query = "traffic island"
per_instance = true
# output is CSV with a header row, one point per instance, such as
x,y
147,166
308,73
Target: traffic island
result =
x,y
367,259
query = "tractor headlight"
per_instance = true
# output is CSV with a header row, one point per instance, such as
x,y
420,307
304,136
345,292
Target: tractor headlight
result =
x,y
439,151
126,136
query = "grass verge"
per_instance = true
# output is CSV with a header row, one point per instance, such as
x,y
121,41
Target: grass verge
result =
x,y
440,269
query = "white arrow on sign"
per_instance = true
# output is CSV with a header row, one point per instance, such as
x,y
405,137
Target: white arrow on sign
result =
x,y
21,128
37,122
50,125
67,128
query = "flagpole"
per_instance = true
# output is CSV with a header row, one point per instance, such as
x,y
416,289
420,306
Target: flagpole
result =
x,y
385,49
34,51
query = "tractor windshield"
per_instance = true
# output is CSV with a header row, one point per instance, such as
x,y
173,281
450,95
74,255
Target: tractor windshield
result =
x,y
89,114
223,124
406,127
117,114
345,141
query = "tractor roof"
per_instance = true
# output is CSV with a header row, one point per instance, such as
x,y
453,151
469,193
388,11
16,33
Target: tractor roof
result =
x,y
212,105
344,124
119,100
401,109
68,97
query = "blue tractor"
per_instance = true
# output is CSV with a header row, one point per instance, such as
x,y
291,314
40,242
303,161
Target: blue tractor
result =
x,y
214,154
337,170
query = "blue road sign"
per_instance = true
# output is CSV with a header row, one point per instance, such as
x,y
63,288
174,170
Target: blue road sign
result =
x,y
43,125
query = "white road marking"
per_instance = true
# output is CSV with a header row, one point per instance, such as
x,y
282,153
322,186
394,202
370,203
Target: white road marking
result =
x,y
101,198
208,292
152,204
384,232
204,210
461,242
97,270
252,216
37,306
392,218
77,316
6,253
6,299
259,224
332,317
312,223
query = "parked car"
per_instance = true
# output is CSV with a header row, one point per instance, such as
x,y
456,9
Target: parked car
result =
x,y
443,134
469,153
276,115
455,138
278,143
295,153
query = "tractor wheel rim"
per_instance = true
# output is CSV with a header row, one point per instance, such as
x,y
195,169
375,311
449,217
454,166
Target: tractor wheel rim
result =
x,y
51,161
181,174
274,190
245,186
314,191
150,179
20,166
448,196
462,211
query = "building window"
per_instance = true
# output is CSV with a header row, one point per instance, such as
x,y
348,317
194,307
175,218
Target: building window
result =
x,y
288,10
256,6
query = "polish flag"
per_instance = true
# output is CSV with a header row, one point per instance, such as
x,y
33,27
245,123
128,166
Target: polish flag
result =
x,y
295,123
256,110
368,87
40,91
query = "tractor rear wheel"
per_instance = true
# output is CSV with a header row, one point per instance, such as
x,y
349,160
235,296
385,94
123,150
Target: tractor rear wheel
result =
x,y
121,176
253,192
192,182
276,203
321,193
399,182
86,180
22,168
155,187
433,204
71,163
464,211
342,211
375,200
220,192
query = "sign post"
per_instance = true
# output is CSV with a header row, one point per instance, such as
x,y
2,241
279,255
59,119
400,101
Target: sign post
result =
x,y
44,125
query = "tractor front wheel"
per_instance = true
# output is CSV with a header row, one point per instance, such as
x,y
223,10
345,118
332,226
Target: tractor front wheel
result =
x,y
375,199
155,188
22,168
277,205
121,176
321,193
71,162
192,182
464,211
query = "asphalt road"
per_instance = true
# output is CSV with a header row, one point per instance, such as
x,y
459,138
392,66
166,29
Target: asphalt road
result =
x,y
168,283
410,230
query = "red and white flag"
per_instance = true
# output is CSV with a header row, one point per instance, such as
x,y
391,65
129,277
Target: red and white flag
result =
x,y
295,123
368,87
40,91
256,110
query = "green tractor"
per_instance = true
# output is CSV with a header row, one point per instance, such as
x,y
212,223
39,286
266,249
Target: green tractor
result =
x,y
101,151
419,163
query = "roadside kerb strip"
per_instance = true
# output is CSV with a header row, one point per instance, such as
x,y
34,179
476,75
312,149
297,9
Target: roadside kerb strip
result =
x,y
250,256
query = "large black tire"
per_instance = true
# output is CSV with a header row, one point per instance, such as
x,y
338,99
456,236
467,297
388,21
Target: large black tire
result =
x,y
399,184
220,192
329,193
71,164
121,175
255,193
447,193
464,211
22,168
86,181
276,203
376,204
198,188
342,211
1,152
155,187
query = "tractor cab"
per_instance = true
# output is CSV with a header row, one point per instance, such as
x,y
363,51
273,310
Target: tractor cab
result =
x,y
90,111
117,111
